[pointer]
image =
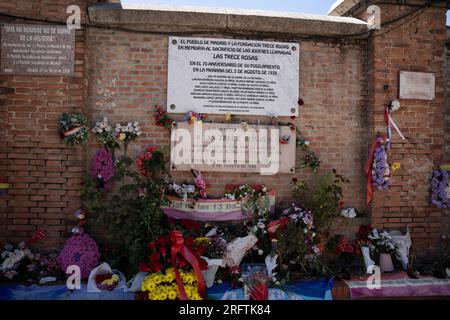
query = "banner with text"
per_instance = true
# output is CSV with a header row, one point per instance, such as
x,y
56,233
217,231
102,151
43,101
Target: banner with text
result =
x,y
219,76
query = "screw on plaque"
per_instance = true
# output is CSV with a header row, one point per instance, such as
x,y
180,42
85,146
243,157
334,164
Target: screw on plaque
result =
x,y
172,106
293,110
174,41
294,48
292,169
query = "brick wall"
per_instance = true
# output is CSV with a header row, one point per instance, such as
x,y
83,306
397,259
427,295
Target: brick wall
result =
x,y
123,75
128,76
447,99
417,45
44,174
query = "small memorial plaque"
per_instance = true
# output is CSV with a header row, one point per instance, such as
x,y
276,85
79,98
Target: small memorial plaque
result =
x,y
417,85
45,50
221,147
219,76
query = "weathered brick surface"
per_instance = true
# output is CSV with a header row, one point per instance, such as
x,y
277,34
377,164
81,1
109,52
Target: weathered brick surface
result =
x,y
417,45
122,75
128,76
43,190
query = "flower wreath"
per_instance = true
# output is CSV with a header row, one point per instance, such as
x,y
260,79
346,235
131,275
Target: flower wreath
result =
x,y
72,128
381,169
440,189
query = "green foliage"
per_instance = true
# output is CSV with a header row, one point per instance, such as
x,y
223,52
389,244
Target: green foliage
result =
x,y
129,214
296,262
322,196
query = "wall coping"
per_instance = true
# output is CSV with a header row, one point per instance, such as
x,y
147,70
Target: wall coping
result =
x,y
173,19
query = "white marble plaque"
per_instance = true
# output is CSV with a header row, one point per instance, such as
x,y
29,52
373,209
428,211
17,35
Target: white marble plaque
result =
x,y
219,76
417,85
231,154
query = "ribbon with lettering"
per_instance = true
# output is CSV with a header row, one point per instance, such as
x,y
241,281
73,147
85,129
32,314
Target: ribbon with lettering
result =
x,y
369,165
178,246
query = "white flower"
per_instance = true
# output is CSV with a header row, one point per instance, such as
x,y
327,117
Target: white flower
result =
x,y
260,252
307,143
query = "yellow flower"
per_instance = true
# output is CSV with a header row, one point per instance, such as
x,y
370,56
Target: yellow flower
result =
x,y
228,116
122,136
172,294
396,166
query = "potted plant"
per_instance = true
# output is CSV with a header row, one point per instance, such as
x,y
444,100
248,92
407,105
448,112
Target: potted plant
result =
x,y
384,245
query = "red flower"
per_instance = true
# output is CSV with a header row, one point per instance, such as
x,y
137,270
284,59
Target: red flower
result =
x,y
203,264
155,267
151,245
155,256
341,204
143,267
162,250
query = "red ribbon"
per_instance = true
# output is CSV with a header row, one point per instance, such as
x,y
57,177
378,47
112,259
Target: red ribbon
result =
x,y
274,225
38,235
369,164
179,247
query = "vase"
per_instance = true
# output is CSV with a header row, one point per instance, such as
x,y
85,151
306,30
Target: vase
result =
x,y
385,262
368,262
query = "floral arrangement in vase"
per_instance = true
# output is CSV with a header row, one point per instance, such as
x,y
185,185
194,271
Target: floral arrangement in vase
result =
x,y
381,242
72,128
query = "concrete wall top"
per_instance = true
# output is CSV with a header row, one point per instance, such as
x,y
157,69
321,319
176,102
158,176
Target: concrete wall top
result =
x,y
156,18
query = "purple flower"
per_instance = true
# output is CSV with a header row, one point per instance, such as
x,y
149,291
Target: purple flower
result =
x,y
439,183
102,166
80,250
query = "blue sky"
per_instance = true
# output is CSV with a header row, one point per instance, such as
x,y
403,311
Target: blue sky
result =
x,y
303,6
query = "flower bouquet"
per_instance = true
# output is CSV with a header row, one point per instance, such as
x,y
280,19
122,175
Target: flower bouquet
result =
x,y
105,134
162,285
255,281
103,278
107,281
